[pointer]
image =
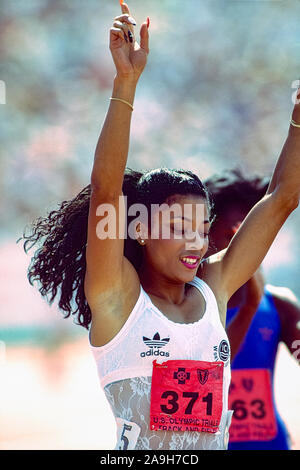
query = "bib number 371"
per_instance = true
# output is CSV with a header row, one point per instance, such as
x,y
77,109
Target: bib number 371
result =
x,y
186,396
173,402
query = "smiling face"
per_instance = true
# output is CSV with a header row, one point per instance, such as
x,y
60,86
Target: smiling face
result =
x,y
178,238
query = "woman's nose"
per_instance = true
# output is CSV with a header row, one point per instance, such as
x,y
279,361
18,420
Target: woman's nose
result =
x,y
194,241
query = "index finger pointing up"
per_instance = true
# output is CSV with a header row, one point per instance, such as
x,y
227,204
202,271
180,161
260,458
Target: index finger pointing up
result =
x,y
124,7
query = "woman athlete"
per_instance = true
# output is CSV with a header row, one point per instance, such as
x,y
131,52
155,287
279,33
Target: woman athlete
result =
x,y
156,329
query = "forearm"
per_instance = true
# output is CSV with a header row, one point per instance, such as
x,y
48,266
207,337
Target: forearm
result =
x,y
238,327
286,176
113,144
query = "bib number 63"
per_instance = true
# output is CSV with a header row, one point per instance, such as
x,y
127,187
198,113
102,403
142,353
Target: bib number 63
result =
x,y
241,410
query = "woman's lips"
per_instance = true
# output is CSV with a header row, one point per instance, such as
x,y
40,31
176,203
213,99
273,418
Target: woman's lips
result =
x,y
189,264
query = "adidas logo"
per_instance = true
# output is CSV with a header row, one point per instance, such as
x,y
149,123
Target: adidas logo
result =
x,y
155,344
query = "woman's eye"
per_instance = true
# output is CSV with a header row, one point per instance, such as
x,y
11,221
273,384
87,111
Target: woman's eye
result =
x,y
180,230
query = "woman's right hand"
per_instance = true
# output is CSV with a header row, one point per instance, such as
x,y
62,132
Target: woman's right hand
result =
x,y
130,58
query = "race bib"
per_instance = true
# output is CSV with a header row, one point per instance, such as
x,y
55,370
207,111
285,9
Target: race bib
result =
x,y
250,397
186,396
127,434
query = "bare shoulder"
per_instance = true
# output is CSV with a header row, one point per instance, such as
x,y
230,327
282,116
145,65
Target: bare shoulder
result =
x,y
286,303
288,308
111,308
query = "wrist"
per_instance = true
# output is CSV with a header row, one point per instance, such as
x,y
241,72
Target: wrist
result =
x,y
125,82
124,88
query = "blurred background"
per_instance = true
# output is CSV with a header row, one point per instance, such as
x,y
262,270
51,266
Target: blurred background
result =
x,y
216,94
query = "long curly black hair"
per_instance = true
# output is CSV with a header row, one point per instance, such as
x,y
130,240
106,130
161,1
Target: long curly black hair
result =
x,y
59,262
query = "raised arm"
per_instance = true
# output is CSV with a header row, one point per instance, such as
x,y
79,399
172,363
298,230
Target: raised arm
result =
x,y
247,249
106,266
286,176
113,144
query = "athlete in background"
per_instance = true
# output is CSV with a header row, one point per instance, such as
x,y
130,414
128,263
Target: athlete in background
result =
x,y
259,316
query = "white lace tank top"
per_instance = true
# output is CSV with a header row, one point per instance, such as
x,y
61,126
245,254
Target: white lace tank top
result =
x,y
125,369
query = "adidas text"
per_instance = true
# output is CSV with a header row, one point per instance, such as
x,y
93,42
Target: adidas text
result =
x,y
154,353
